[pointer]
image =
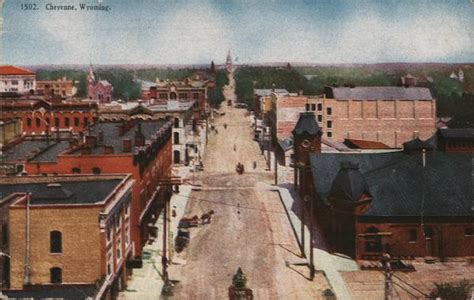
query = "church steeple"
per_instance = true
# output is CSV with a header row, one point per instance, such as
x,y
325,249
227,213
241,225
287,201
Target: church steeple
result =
x,y
90,74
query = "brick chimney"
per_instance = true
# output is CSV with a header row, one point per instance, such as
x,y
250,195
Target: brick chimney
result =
x,y
139,136
100,137
127,145
91,141
108,150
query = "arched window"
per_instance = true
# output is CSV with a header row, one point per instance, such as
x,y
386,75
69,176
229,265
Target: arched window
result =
x,y
173,96
66,122
38,122
176,157
176,122
76,170
56,275
55,242
28,122
76,121
176,138
96,170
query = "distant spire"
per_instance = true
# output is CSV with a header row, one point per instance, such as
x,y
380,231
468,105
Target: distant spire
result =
x,y
90,75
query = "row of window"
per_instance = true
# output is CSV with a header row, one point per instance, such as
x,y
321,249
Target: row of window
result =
x,y
67,122
312,107
95,170
173,96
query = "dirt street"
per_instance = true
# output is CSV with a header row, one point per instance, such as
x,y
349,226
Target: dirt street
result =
x,y
249,228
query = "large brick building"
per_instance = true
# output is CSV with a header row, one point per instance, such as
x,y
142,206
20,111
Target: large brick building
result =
x,y
17,80
68,236
391,115
137,147
415,203
39,116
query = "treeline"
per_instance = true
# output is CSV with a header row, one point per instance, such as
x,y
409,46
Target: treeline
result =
x,y
216,95
454,99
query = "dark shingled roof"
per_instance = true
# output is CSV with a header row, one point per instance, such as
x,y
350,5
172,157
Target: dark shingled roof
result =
x,y
72,192
379,93
457,133
69,292
399,184
417,144
24,150
51,154
307,125
349,182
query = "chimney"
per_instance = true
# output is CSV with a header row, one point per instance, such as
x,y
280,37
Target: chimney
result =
x,y
108,150
127,145
100,137
91,141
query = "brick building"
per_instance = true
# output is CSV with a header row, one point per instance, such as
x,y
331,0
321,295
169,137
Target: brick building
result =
x,y
17,80
391,115
189,131
98,90
415,203
137,147
68,236
38,116
60,88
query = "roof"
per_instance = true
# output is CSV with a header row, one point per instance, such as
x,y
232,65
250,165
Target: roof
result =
x,y
417,144
13,70
63,192
68,292
362,144
379,93
400,186
112,137
51,153
457,133
307,125
268,92
105,83
286,144
25,150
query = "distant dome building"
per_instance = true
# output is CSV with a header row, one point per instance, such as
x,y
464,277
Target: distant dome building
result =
x,y
228,61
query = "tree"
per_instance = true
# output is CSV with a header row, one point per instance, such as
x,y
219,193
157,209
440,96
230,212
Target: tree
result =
x,y
452,291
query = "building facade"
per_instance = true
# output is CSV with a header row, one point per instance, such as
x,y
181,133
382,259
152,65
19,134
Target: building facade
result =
x,y
39,116
60,88
68,232
17,80
99,90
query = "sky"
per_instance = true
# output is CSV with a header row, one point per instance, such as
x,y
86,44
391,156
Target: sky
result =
x,y
257,31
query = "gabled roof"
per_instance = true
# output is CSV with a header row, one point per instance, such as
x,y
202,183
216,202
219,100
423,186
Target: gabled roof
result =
x,y
307,125
379,93
350,183
12,70
417,144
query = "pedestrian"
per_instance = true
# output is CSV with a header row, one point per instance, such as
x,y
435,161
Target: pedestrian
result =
x,y
173,213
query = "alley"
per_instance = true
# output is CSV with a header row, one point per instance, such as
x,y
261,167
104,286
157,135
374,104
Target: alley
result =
x,y
249,229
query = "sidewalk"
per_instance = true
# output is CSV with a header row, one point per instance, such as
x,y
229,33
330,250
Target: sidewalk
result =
x,y
324,261
146,283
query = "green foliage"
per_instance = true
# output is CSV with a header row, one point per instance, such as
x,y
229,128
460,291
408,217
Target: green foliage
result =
x,y
168,73
216,95
122,81
452,291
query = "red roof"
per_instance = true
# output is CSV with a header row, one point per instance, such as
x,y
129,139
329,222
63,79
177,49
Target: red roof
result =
x,y
12,70
361,144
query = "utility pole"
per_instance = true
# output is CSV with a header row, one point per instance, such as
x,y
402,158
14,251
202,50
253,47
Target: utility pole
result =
x,y
303,254
388,273
26,279
311,250
164,261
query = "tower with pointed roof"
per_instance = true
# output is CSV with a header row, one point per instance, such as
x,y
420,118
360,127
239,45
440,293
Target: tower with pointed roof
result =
x,y
228,61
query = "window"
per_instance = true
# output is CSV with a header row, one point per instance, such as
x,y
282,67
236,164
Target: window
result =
x,y
329,124
86,121
320,106
14,82
76,170
119,249
56,275
38,122
313,107
195,96
76,122
66,122
96,170
320,118
176,122
307,107
373,241
28,122
328,111
163,96
109,233
469,231
173,96
329,134
176,138
183,96
56,122
412,235
55,242
428,232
